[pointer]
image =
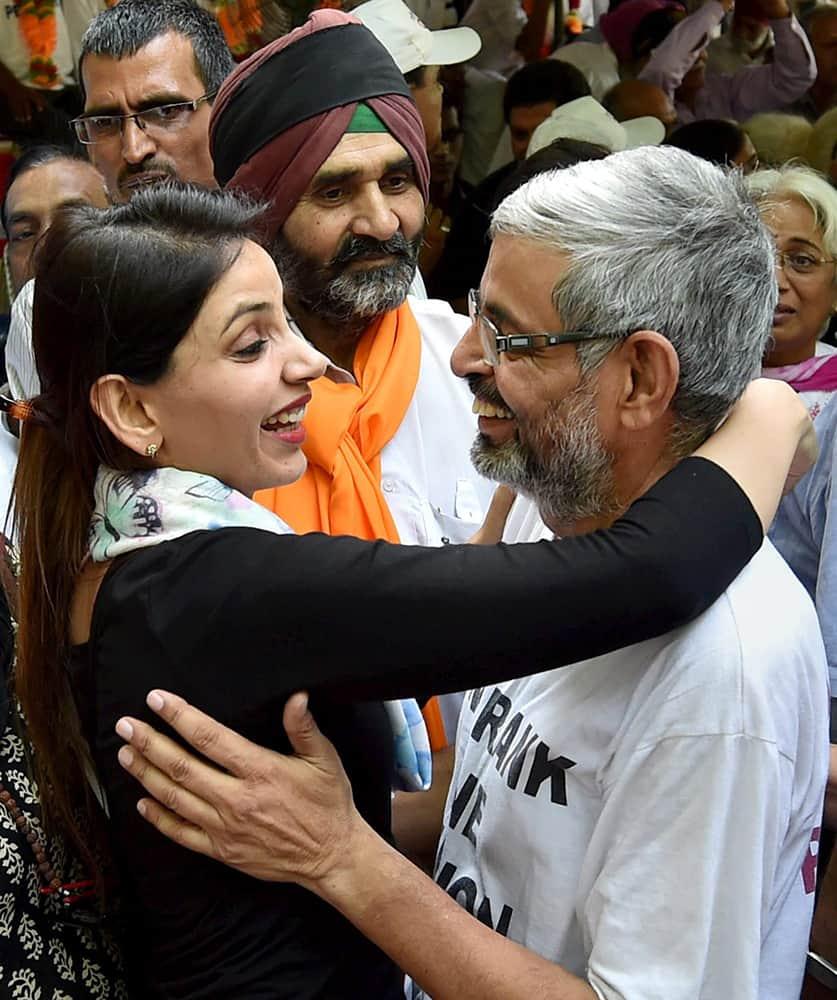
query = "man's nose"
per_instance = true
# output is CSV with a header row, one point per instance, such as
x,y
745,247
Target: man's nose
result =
x,y
136,144
468,356
375,216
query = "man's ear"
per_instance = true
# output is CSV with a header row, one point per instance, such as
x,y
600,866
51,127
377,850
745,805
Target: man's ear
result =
x,y
651,370
121,406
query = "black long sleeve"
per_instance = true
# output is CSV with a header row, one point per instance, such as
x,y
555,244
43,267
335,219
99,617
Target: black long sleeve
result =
x,y
360,620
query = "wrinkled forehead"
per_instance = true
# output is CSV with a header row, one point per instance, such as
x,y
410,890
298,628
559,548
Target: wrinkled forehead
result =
x,y
41,189
163,70
518,283
364,156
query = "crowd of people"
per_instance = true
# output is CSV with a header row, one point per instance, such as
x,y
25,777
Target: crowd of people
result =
x,y
420,570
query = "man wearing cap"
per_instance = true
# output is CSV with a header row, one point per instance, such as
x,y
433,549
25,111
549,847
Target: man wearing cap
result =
x,y
587,120
341,160
418,53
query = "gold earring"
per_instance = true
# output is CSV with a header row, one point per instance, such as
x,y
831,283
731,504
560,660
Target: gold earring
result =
x,y
151,451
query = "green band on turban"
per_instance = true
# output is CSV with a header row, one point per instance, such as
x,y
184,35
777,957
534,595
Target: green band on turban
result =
x,y
365,120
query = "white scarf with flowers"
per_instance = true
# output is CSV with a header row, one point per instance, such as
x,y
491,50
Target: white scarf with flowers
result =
x,y
133,510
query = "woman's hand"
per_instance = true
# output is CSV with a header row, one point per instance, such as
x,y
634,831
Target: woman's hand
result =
x,y
766,444
804,459
277,818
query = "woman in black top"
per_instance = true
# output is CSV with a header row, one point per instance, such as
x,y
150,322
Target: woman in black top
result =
x,y
163,353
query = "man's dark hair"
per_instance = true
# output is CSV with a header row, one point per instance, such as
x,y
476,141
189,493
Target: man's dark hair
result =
x,y
547,80
128,26
713,139
558,155
415,77
37,156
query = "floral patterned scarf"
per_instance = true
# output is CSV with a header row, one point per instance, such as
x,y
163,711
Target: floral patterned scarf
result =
x,y
133,510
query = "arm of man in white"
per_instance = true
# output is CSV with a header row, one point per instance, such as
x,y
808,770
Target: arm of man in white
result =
x,y
318,839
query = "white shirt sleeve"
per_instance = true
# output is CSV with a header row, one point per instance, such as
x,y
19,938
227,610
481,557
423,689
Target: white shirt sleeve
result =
x,y
20,360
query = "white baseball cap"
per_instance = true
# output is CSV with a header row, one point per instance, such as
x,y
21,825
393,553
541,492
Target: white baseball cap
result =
x,y
409,42
585,119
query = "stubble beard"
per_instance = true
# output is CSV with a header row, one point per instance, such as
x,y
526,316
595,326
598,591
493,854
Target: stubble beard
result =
x,y
562,464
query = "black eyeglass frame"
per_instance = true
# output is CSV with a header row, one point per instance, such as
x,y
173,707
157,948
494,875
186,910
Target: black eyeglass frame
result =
x,y
511,342
78,125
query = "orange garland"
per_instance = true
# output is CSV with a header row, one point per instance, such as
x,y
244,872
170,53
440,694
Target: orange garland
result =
x,y
37,25
241,22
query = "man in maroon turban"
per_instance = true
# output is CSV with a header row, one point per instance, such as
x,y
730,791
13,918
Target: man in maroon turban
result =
x,y
322,125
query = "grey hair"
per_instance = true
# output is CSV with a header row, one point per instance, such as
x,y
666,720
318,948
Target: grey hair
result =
x,y
658,240
794,180
128,26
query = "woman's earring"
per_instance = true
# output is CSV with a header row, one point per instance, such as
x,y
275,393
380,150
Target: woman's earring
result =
x,y
151,451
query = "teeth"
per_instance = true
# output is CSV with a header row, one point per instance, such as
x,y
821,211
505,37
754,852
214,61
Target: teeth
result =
x,y
284,417
483,409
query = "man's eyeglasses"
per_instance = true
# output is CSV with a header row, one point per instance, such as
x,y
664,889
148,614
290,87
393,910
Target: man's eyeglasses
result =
x,y
155,121
494,343
800,262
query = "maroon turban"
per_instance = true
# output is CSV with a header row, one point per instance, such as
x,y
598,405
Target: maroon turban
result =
x,y
279,115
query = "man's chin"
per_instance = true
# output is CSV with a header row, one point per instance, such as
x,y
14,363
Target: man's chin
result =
x,y
500,462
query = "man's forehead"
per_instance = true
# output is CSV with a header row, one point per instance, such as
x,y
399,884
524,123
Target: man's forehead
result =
x,y
518,281
371,152
62,176
166,65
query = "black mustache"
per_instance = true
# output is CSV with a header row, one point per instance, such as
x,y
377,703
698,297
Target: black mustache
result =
x,y
147,166
485,389
368,248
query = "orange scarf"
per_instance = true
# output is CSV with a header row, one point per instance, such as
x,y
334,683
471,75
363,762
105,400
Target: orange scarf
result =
x,y
348,427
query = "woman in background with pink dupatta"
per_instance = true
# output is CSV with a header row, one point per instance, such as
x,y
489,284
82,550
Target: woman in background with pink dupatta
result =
x,y
800,208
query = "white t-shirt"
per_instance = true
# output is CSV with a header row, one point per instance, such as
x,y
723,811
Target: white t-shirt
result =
x,y
649,819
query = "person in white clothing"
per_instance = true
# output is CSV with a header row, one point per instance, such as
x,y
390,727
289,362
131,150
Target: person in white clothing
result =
x,y
639,826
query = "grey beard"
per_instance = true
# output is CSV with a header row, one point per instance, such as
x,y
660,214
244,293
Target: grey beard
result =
x,y
338,296
566,469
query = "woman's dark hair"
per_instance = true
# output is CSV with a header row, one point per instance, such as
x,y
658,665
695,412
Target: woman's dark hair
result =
x,y
36,156
557,155
546,80
115,292
713,139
